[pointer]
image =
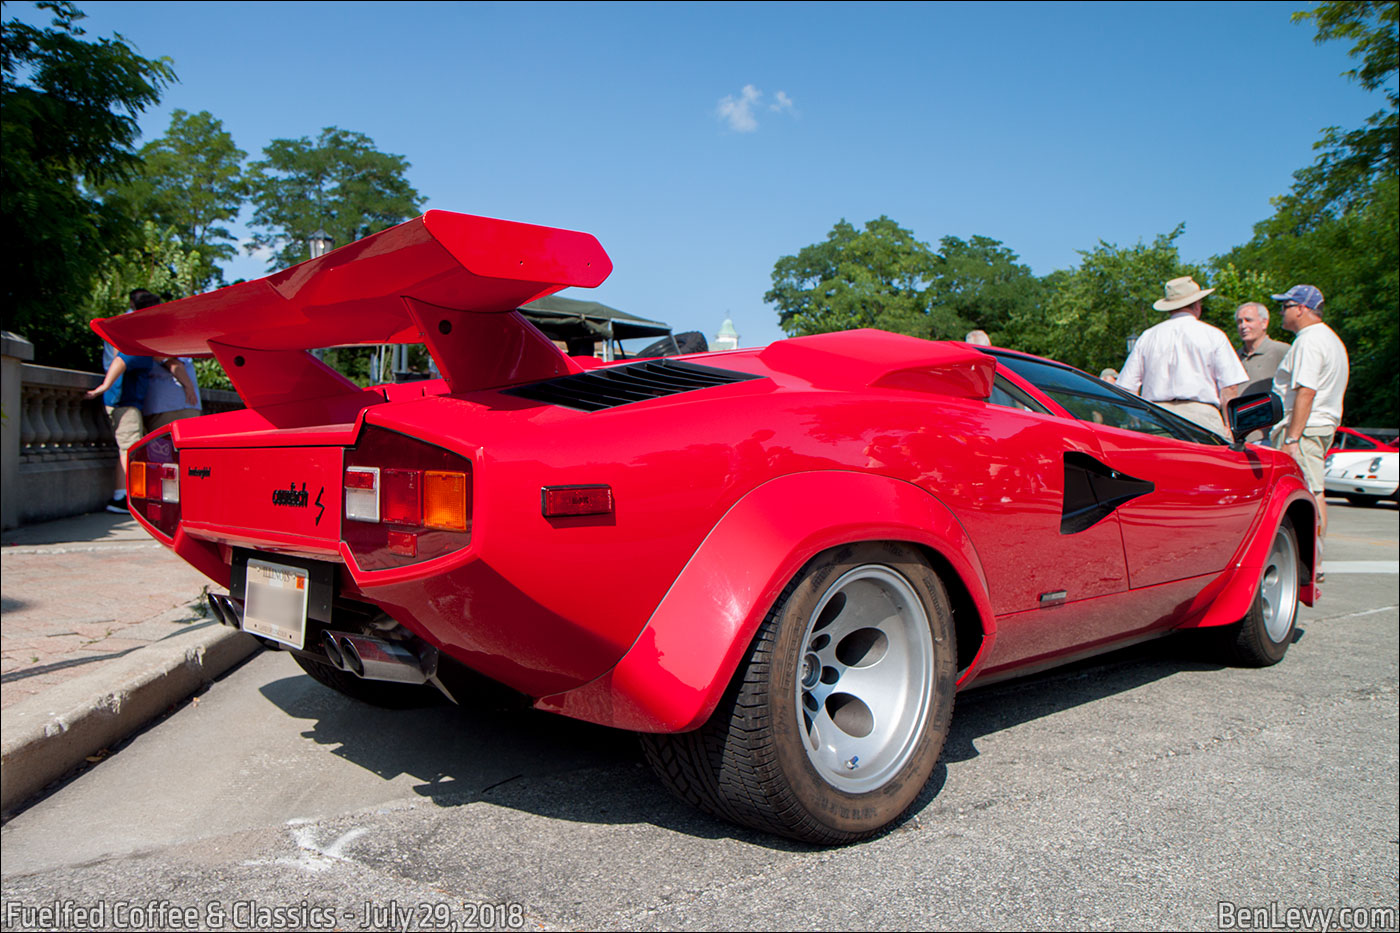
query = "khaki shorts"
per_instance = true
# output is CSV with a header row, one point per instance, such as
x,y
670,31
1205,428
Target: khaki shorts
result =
x,y
1310,452
165,417
126,425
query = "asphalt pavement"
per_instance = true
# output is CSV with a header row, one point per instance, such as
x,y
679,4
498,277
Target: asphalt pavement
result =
x,y
1145,789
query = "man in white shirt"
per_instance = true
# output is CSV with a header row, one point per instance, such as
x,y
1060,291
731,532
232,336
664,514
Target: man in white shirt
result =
x,y
1311,380
1184,363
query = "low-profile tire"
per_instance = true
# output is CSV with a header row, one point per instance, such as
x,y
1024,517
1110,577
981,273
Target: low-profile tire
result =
x,y
833,723
1262,637
1359,499
382,693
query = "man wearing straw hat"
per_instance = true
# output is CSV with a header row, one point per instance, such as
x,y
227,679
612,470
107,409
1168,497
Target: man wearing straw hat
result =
x,y
1184,363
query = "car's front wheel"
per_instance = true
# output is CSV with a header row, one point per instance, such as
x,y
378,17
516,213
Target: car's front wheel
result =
x,y
834,722
1262,637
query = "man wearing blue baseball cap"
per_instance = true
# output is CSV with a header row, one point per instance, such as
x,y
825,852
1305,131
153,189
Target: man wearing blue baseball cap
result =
x,y
1311,380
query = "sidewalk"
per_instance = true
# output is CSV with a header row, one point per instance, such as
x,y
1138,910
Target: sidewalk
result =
x,y
101,630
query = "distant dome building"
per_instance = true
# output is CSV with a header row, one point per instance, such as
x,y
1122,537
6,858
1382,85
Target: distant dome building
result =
x,y
727,338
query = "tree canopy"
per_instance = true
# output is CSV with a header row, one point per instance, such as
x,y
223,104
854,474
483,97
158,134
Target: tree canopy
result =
x,y
883,276
1094,308
874,277
191,180
70,108
339,183
1349,162
1337,227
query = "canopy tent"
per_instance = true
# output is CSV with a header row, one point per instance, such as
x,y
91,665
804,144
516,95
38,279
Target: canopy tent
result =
x,y
576,323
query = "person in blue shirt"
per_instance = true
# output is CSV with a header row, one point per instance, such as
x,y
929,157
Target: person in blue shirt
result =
x,y
123,391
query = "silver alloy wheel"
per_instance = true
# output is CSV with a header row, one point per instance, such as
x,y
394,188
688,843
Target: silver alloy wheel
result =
x,y
1278,587
864,680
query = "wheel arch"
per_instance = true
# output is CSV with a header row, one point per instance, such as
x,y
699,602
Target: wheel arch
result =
x,y
674,674
1227,599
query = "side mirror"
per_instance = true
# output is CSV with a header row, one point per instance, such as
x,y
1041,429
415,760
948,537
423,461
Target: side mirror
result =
x,y
1249,413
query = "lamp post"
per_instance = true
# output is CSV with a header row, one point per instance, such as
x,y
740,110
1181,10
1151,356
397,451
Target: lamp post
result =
x,y
319,244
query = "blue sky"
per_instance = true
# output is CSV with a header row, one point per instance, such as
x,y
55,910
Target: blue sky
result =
x,y
701,142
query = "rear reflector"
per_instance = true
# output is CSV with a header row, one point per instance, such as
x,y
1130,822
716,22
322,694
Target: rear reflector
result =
x,y
403,543
445,500
561,501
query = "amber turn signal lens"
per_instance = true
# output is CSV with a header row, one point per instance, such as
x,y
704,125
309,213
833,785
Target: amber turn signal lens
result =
x,y
136,479
445,500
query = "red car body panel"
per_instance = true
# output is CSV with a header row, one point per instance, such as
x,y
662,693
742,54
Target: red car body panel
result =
x,y
1366,441
638,617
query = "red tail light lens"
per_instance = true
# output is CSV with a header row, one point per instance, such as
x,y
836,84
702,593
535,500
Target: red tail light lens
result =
x,y
406,501
403,497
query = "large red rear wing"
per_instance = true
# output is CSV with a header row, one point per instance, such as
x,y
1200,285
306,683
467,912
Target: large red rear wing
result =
x,y
450,281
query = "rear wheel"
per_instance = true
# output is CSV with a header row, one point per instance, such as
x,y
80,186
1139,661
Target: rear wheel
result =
x,y
834,723
1262,637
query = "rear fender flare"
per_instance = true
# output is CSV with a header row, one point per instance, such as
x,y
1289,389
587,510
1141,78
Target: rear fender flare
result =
x,y
673,676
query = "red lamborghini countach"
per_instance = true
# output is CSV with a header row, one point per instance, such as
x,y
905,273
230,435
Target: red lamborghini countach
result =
x,y
777,565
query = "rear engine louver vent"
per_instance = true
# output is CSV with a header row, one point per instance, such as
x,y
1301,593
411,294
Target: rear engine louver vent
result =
x,y
633,382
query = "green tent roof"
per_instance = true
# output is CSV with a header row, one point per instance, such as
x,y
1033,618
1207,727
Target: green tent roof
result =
x,y
565,318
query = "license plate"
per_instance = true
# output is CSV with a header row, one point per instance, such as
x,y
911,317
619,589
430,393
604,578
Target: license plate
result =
x,y
275,602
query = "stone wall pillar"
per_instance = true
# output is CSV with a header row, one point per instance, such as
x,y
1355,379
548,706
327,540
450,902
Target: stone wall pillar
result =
x,y
15,351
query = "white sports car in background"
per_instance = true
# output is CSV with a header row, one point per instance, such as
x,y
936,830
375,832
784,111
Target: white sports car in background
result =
x,y
1365,477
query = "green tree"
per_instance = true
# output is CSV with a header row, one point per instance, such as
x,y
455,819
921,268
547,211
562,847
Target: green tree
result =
x,y
1355,259
1349,162
1094,308
340,183
159,263
190,179
875,277
70,108
1337,226
981,282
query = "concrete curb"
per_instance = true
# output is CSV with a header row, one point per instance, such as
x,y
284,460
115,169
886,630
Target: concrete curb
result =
x,y
47,736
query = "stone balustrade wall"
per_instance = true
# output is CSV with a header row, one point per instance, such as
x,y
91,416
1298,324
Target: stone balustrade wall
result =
x,y
59,456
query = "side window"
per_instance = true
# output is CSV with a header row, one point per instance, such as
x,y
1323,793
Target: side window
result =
x,y
1097,402
1008,396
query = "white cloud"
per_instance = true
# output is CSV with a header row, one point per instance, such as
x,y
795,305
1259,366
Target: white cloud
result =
x,y
738,113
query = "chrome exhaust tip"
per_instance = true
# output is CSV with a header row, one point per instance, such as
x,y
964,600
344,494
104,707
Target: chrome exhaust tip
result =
x,y
332,651
226,610
378,658
216,608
